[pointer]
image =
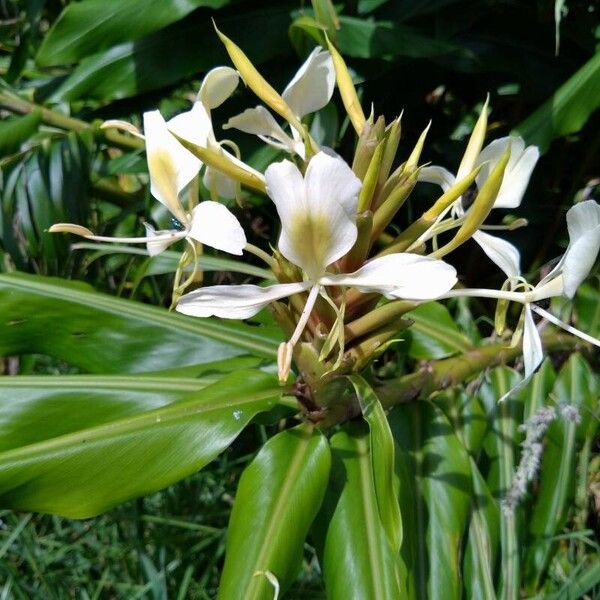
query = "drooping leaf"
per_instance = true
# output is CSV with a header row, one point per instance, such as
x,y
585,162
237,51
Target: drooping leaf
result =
x,y
278,496
85,28
102,334
434,333
161,59
15,131
567,110
85,472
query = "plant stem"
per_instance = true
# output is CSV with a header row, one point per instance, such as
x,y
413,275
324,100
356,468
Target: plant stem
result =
x,y
16,104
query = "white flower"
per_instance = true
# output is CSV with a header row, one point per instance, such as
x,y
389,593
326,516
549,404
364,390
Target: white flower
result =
x,y
318,227
309,90
172,168
514,183
195,126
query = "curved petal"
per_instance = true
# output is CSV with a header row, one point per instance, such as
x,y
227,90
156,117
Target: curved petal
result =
x,y
518,169
223,185
170,165
438,176
218,84
215,225
312,86
235,301
193,125
533,354
259,121
402,275
501,252
317,213
155,247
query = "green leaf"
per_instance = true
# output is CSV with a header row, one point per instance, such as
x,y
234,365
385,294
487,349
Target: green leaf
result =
x,y
15,131
501,446
567,110
85,28
279,494
434,333
102,334
575,385
382,454
356,556
83,473
161,59
367,38
441,470
587,308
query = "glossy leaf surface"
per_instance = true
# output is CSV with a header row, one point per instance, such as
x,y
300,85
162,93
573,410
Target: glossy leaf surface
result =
x,y
102,334
107,461
278,496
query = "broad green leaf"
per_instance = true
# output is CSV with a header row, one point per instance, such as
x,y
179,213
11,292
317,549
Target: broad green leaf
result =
x,y
440,467
85,28
278,496
102,334
83,473
35,408
567,110
434,333
501,446
482,541
587,308
356,556
161,59
535,394
575,385
382,455
15,131
367,38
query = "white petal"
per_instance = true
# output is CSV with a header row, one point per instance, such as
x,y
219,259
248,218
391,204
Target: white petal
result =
x,y
312,86
215,225
170,165
158,246
501,252
218,84
259,121
193,125
234,301
318,214
224,186
437,175
533,355
582,218
518,169
402,275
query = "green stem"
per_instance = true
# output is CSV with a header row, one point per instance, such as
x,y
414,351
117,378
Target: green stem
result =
x,y
16,104
377,318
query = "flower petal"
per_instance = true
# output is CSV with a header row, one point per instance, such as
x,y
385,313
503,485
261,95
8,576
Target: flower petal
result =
x,y
437,175
318,213
170,165
583,222
312,86
402,275
218,84
533,354
259,121
222,184
517,173
155,247
193,125
501,252
235,301
215,225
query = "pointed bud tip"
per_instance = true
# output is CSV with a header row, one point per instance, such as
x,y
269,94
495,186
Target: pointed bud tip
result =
x,y
70,228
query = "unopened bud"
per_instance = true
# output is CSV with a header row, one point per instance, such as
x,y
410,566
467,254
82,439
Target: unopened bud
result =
x,y
284,360
71,228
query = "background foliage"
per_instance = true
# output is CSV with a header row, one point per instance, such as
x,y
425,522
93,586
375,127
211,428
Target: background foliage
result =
x,y
66,66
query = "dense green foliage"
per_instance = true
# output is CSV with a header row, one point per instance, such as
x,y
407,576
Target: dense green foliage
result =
x,y
113,393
